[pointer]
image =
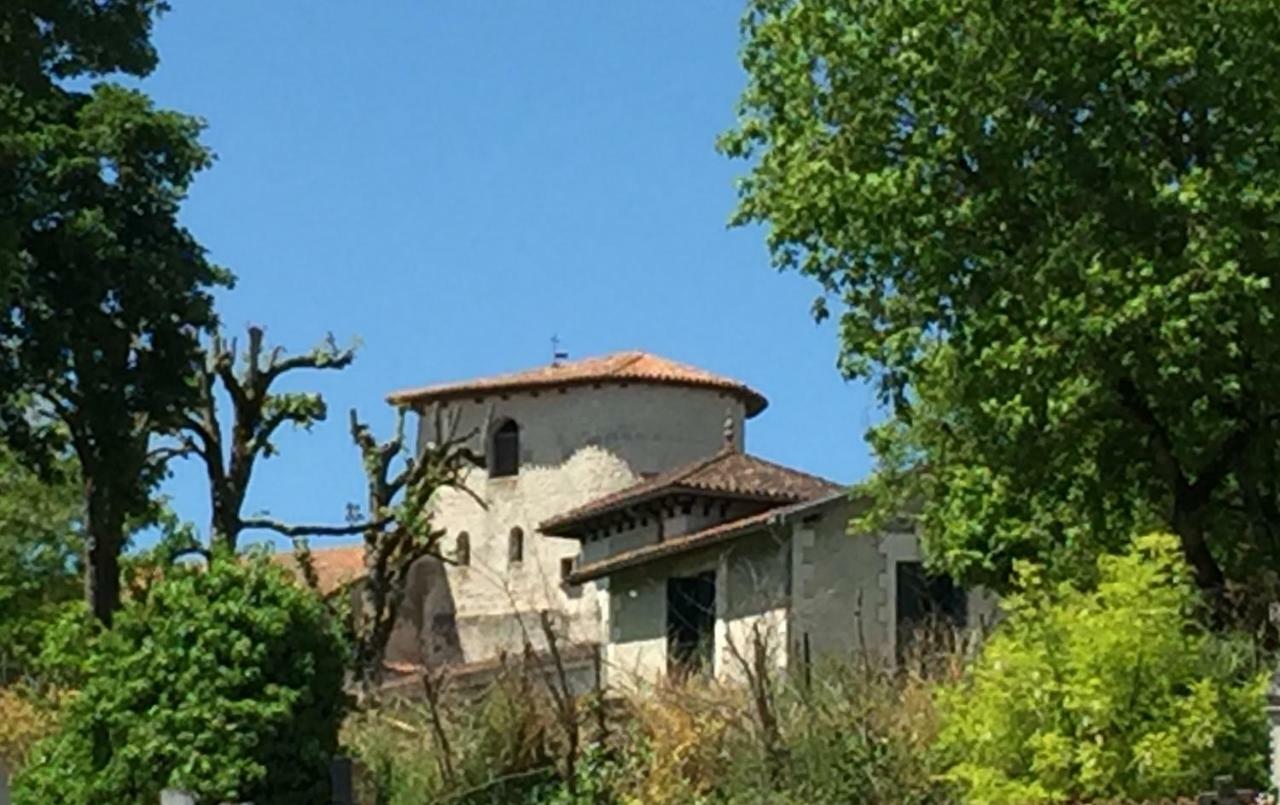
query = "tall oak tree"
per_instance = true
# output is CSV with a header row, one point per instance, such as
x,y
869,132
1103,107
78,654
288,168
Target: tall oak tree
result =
x,y
1051,232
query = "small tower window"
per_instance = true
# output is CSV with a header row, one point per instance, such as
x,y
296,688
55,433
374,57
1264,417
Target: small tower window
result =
x,y
515,546
505,450
566,568
462,550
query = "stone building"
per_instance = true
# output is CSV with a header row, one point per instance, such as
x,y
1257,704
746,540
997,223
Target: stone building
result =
x,y
618,496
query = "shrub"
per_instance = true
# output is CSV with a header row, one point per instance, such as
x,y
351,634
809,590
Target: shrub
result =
x,y
1114,692
856,733
226,682
500,744
685,736
25,718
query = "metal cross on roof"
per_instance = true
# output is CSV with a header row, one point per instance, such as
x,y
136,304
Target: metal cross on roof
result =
x,y
557,354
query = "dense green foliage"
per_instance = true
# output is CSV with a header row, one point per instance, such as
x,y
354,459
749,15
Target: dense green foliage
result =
x,y
1111,693
43,43
1050,231
226,682
105,290
39,545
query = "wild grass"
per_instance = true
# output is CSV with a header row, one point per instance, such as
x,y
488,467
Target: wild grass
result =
x,y
848,730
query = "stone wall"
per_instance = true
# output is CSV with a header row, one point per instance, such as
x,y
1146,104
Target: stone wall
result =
x,y
845,586
807,580
837,598
576,445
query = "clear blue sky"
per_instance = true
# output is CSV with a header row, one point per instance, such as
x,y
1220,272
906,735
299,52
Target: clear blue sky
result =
x,y
452,183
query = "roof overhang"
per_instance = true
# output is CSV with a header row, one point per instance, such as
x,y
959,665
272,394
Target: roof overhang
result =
x,y
704,538
632,508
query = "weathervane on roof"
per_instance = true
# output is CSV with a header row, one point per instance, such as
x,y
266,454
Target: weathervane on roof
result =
x,y
557,354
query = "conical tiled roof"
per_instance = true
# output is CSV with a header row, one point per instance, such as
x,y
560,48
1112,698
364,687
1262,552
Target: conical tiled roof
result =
x,y
632,367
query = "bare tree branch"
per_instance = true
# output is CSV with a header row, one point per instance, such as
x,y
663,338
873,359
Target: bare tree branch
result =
x,y
294,530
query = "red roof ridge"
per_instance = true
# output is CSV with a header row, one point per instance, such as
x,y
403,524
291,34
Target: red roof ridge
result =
x,y
785,468
636,356
634,366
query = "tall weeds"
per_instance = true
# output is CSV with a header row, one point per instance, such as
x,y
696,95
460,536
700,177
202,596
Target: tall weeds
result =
x,y
846,731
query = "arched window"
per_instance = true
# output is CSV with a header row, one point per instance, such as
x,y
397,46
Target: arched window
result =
x,y
504,453
462,550
515,546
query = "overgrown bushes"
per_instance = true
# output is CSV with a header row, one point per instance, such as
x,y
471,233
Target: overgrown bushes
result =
x,y
1111,693
1115,692
226,681
854,734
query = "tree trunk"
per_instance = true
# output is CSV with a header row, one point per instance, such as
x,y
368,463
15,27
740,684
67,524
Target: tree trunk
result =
x,y
104,531
1188,524
371,616
224,520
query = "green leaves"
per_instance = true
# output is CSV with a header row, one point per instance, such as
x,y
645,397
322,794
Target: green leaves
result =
x,y
1109,692
226,681
1017,216
40,543
105,290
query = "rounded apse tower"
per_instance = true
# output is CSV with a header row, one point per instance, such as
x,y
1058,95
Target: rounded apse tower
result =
x,y
553,438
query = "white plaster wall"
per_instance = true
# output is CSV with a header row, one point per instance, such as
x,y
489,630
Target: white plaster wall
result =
x,y
652,428
636,654
845,587
575,445
752,585
753,589
735,641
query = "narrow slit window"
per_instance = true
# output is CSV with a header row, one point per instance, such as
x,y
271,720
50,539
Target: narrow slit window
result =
x,y
515,546
462,550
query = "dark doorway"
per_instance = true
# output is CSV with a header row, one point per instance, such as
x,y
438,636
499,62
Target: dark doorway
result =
x,y
691,621
929,607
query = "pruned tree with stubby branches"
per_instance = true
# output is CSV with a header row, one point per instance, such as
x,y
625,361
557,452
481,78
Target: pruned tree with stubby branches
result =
x,y
399,529
396,527
257,413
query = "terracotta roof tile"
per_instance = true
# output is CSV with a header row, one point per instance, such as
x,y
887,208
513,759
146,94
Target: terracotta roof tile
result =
x,y
634,366
335,567
687,542
727,472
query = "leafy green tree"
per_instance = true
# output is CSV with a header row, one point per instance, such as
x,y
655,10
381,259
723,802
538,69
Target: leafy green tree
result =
x,y
1050,231
1109,694
106,290
43,43
40,541
225,681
